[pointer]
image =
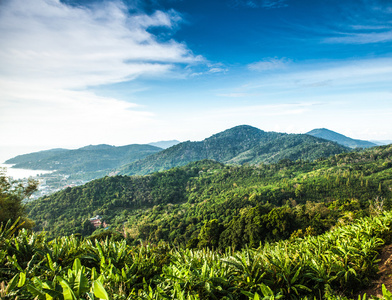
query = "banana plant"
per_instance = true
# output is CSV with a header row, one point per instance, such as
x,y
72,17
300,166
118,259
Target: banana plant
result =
x,y
199,272
13,287
72,285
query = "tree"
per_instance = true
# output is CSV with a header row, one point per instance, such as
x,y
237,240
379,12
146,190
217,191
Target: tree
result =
x,y
209,234
299,190
12,195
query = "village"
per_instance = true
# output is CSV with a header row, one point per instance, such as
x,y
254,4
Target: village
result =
x,y
51,183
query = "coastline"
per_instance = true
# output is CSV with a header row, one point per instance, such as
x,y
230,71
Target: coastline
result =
x,y
22,173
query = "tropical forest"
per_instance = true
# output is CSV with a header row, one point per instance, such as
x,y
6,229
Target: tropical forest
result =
x,y
312,220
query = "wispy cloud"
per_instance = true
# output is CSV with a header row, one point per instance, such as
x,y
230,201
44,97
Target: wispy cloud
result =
x,y
269,110
333,79
259,3
350,76
269,64
209,68
76,47
51,52
363,22
361,38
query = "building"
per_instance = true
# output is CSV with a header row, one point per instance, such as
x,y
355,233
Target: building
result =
x,y
97,221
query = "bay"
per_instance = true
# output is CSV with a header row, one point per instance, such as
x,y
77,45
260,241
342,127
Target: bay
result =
x,y
22,173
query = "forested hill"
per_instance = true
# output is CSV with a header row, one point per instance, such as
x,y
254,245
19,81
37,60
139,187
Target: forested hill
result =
x,y
238,205
340,138
238,145
87,159
68,211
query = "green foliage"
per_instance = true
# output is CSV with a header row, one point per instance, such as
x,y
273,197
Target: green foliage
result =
x,y
68,211
290,230
329,266
12,195
209,234
251,204
271,202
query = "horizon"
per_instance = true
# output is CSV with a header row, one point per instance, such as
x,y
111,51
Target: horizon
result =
x,y
14,151
87,72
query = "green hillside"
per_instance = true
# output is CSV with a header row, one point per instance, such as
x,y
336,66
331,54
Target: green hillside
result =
x,y
288,146
287,230
340,138
243,204
238,145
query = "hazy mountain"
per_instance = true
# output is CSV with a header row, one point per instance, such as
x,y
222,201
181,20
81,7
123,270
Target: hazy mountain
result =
x,y
86,159
35,156
340,138
238,145
382,142
165,144
97,147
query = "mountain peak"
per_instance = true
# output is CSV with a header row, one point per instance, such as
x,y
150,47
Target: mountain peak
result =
x,y
240,130
238,145
97,147
165,144
340,138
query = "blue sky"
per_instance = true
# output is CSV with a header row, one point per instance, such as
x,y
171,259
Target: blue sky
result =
x,y
83,72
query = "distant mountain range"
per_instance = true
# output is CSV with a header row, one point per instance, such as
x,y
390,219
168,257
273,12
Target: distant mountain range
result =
x,y
340,138
238,145
382,142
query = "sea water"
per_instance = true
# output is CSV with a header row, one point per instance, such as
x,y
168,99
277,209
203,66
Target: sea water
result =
x,y
21,173
7,152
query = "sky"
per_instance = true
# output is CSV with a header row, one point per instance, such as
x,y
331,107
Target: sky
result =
x,y
81,72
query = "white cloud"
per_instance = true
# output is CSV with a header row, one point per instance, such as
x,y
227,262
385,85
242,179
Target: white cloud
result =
x,y
76,47
350,75
264,110
361,38
362,22
32,117
209,68
269,64
51,52
217,70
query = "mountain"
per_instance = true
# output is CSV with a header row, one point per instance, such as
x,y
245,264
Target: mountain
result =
x,y
165,144
340,138
35,156
173,205
238,145
382,142
90,158
97,147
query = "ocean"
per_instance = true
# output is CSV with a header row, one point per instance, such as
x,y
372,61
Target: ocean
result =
x,y
21,173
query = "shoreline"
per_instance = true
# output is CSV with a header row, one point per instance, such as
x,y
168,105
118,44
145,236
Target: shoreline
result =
x,y
16,173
